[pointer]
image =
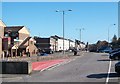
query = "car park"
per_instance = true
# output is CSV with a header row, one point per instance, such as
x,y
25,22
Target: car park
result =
x,y
117,67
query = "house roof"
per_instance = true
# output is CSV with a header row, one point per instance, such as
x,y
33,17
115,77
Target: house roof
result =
x,y
24,41
70,40
13,28
2,23
58,37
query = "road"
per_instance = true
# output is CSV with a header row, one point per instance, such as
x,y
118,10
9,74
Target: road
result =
x,y
88,67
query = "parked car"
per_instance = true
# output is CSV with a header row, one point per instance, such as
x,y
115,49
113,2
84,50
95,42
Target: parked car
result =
x,y
48,51
101,49
115,50
92,48
107,50
115,55
117,67
104,49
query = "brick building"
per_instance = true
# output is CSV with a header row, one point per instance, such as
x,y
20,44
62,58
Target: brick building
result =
x,y
20,41
47,44
2,25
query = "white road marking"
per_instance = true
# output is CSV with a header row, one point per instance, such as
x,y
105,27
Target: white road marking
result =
x,y
107,79
48,67
62,63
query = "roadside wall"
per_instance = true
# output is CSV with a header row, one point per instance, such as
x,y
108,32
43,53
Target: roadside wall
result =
x,y
16,67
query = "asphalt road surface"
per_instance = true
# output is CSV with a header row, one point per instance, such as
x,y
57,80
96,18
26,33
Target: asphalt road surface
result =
x,y
88,67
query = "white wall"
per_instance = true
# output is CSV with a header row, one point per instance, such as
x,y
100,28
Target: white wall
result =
x,y
60,44
67,44
72,44
82,46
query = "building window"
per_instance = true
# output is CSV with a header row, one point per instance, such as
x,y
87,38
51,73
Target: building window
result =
x,y
17,38
6,35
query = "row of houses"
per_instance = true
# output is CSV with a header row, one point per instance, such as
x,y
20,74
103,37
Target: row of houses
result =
x,y
55,43
16,41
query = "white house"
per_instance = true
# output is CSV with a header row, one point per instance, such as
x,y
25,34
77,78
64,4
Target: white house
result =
x,y
71,44
60,44
67,43
79,45
82,45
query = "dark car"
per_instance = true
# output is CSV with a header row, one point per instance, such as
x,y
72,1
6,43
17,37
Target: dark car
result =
x,y
115,55
48,51
107,50
115,50
117,67
104,49
112,51
101,49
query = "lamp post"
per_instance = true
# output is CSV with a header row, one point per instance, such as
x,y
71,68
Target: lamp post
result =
x,y
81,33
63,13
109,31
80,30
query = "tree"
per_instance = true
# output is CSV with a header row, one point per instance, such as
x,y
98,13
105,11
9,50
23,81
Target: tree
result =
x,y
104,43
101,44
114,39
114,42
98,44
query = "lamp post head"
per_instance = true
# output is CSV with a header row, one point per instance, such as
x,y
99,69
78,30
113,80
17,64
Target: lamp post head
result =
x,y
62,10
69,10
57,11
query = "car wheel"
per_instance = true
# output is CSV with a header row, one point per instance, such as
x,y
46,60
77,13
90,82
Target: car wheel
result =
x,y
116,58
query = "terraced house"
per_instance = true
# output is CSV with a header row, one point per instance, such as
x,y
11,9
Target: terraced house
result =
x,y
20,41
16,41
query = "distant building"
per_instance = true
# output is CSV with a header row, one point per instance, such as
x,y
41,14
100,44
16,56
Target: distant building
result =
x,y
79,44
67,43
46,44
55,43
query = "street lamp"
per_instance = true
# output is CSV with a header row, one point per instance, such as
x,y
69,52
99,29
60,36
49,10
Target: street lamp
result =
x,y
63,13
81,34
109,30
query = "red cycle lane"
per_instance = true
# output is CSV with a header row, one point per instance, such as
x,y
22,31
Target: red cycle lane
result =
x,y
46,64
